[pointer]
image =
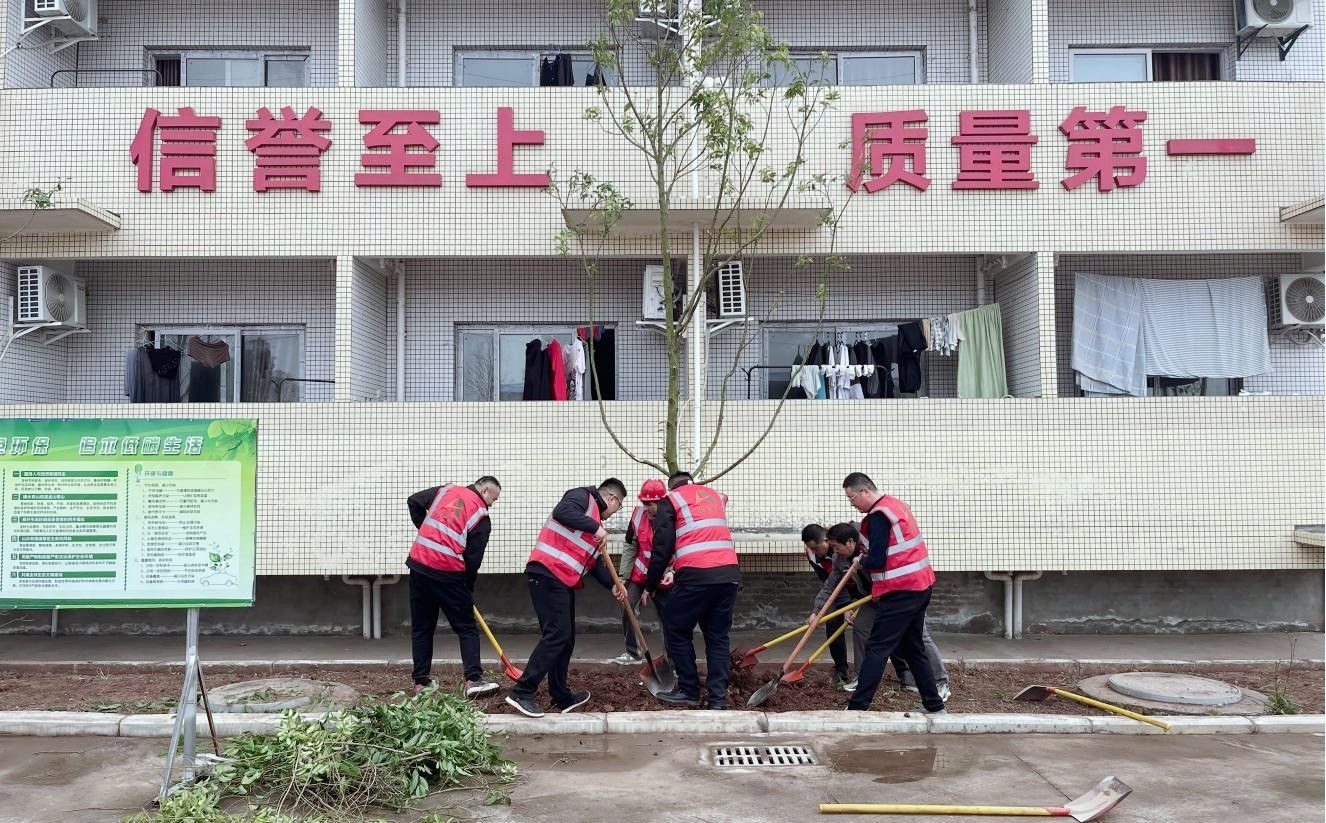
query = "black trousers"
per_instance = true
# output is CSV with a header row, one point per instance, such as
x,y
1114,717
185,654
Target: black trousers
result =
x,y
555,606
899,624
450,594
633,593
710,608
837,648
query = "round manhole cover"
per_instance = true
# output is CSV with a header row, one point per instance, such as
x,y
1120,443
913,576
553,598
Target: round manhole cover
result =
x,y
1165,687
276,694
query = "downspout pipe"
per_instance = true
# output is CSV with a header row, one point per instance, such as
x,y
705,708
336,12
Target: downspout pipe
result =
x,y
1018,578
972,41
1007,579
400,332
366,602
400,43
378,582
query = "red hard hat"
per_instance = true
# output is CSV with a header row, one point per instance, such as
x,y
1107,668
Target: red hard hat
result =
x,y
653,490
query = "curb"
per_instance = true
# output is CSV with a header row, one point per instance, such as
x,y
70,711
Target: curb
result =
x,y
59,724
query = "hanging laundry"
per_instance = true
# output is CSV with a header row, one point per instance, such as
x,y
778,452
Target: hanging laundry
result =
x,y
1205,328
1108,355
210,355
981,358
156,375
557,363
576,364
538,375
911,342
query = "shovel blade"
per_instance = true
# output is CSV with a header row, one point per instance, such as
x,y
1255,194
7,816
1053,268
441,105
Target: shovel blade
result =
x,y
763,693
663,672
1034,693
510,669
1102,797
793,676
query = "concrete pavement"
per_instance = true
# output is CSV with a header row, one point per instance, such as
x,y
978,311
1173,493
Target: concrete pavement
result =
x,y
670,779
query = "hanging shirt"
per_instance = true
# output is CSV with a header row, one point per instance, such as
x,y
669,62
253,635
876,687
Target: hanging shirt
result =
x,y
558,370
575,369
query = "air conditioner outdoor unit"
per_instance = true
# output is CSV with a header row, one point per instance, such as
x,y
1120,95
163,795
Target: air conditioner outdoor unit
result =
x,y
51,297
1302,300
78,17
1279,17
731,289
652,306
658,19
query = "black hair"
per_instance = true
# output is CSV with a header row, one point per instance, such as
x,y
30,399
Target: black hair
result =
x,y
813,533
679,479
858,480
843,532
487,480
615,487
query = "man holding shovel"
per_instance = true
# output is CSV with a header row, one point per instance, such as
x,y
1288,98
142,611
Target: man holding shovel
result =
x,y
900,583
444,561
569,546
691,534
639,547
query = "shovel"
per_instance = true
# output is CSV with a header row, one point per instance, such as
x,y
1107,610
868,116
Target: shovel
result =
x,y
1039,693
507,666
1093,805
657,674
766,691
796,674
749,658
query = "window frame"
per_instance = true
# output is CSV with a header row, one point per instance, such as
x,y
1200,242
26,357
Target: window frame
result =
x,y
263,56
526,331
159,332
831,328
1150,52
533,55
838,58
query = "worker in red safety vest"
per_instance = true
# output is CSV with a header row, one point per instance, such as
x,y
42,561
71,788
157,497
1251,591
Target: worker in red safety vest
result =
x,y
639,547
444,561
569,546
901,580
815,538
692,536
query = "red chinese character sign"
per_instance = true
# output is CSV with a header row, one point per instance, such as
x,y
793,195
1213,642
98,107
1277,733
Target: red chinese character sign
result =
x,y
994,150
289,150
188,150
507,139
1105,142
398,159
880,136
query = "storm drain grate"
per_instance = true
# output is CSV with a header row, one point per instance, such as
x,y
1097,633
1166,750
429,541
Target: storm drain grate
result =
x,y
762,756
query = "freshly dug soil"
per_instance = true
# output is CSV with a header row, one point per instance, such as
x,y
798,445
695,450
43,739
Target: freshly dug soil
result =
x,y
987,688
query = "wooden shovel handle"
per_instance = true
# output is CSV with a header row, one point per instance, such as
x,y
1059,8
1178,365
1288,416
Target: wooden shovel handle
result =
x,y
630,612
815,655
815,621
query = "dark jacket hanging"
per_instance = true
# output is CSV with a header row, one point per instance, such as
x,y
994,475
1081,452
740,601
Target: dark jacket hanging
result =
x,y
911,342
603,383
534,357
885,351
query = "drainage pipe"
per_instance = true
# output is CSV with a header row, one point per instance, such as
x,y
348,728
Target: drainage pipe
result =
x,y
972,41
55,620
400,331
1018,577
378,582
366,606
1007,579
400,43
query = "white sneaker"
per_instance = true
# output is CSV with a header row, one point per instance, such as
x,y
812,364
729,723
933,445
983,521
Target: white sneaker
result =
x,y
944,691
626,659
849,686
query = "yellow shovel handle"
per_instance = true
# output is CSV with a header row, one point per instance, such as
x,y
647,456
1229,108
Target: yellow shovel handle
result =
x,y
799,630
815,654
1110,708
927,808
488,632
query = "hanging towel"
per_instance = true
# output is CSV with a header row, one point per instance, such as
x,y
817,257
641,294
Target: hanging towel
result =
x,y
981,357
210,355
1108,353
1205,328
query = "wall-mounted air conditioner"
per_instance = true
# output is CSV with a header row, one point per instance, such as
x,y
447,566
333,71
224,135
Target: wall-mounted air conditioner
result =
x,y
731,289
77,18
49,296
652,306
1274,18
1302,300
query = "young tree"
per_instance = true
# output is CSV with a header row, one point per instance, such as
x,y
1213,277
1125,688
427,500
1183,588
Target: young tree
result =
x,y
721,89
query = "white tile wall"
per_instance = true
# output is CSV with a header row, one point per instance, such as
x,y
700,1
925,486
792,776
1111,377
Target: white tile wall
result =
x,y
1015,290
133,27
30,64
368,334
1009,33
374,32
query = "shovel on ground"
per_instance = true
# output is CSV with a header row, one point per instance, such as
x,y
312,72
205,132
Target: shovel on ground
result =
x,y
1039,693
657,673
766,691
800,672
507,666
749,658
1093,805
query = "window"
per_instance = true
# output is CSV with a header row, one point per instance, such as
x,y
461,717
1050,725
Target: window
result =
x,y
1142,65
788,345
492,360
852,69
236,365
233,68
523,68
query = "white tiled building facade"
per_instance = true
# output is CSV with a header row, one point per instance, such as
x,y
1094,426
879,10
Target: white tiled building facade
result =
x,y
1043,480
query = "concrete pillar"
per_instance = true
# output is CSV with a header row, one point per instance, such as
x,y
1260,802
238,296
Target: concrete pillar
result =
x,y
345,47
345,275
1048,332
1040,41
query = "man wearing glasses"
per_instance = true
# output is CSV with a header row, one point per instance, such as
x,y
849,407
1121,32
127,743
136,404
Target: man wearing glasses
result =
x,y
900,583
569,546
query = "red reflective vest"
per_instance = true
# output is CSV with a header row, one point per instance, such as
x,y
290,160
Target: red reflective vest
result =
x,y
907,564
704,540
567,553
440,544
644,541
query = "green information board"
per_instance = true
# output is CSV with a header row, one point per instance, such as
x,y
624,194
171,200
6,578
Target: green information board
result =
x,y
113,513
